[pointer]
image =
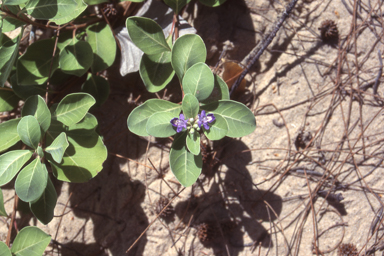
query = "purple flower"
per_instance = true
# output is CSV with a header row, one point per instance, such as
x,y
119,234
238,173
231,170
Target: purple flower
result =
x,y
179,123
205,119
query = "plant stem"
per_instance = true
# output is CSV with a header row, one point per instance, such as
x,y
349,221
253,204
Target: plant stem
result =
x,y
16,201
259,49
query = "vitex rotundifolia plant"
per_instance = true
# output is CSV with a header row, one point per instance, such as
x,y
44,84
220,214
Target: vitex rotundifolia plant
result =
x,y
205,109
54,130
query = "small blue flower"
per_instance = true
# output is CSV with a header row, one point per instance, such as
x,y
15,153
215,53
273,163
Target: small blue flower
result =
x,y
205,119
179,123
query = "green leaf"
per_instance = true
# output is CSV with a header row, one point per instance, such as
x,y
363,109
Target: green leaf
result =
x,y
193,143
30,241
8,54
147,35
85,154
137,120
59,12
98,87
176,5
34,66
25,91
10,23
220,91
14,2
8,100
159,125
185,166
93,2
31,181
2,209
10,164
73,107
29,131
65,38
44,207
188,50
190,106
58,147
103,44
4,250
40,151
199,81
212,3
35,106
240,119
8,134
218,129
76,58
156,71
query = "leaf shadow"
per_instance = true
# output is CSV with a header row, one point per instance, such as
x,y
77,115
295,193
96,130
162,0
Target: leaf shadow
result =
x,y
233,202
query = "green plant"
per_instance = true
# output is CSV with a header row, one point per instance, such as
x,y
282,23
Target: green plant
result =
x,y
54,129
29,241
206,107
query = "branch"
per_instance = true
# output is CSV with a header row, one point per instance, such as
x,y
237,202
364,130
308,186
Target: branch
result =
x,y
259,49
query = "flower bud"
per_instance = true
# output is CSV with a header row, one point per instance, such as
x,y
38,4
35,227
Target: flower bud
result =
x,y
192,131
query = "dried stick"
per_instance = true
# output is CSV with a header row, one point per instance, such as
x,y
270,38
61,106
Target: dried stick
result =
x,y
8,239
259,49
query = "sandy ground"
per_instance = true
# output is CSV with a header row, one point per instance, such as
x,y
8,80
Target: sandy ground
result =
x,y
260,195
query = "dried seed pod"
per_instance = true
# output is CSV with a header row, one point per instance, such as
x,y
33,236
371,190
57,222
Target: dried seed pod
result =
x,y
347,250
329,32
160,206
206,232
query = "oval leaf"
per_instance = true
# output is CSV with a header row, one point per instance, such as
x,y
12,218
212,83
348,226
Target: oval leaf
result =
x,y
35,106
44,207
240,119
34,66
147,35
220,91
2,209
4,250
85,154
159,125
176,5
60,12
8,134
103,44
185,166
193,143
31,181
30,241
190,106
29,131
8,100
58,147
27,91
156,71
199,81
8,54
218,129
76,59
11,23
188,50
14,2
10,164
212,3
137,120
73,107
98,87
